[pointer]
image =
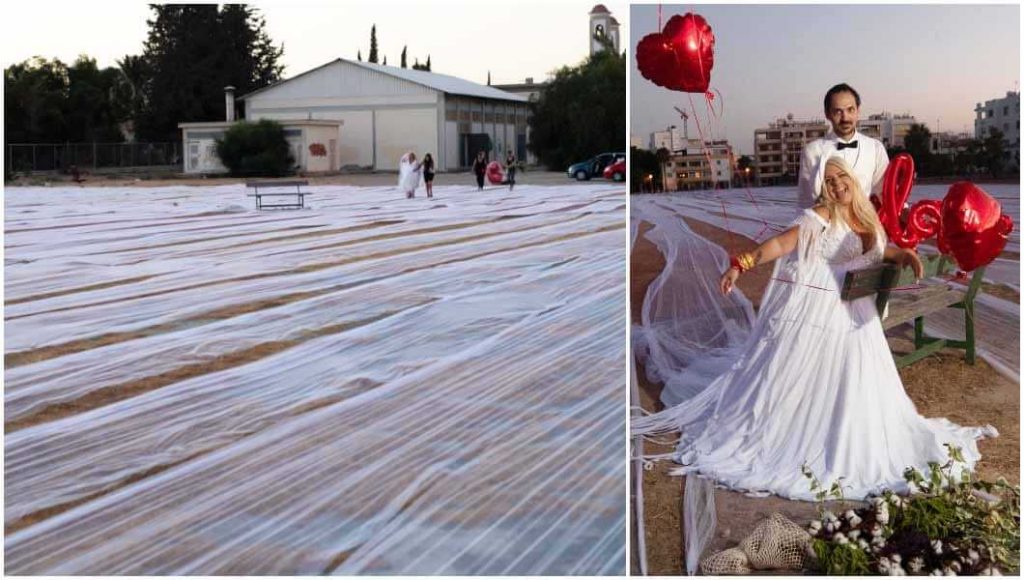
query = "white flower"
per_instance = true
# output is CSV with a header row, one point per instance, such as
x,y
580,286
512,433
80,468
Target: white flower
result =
x,y
831,526
876,530
916,564
813,531
829,516
850,514
896,558
878,541
955,566
882,517
973,556
815,525
840,539
863,545
877,501
936,572
937,547
853,534
855,521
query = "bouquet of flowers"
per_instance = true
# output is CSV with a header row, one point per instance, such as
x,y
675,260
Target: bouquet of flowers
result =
x,y
953,525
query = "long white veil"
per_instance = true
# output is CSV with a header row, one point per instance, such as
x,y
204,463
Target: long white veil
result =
x,y
689,332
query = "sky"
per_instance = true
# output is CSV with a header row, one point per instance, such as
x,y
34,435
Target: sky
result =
x,y
935,62
513,39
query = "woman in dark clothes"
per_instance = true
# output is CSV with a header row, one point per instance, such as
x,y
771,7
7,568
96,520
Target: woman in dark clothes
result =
x,y
480,168
428,174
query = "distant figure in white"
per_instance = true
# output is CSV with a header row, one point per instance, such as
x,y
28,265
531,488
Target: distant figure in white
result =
x,y
409,174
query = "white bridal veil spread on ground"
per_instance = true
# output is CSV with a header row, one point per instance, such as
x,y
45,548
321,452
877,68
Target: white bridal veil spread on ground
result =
x,y
813,382
408,174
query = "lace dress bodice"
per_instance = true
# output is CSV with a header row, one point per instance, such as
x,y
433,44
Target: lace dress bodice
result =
x,y
839,246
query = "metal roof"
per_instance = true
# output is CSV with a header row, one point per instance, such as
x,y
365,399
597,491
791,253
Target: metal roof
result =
x,y
439,82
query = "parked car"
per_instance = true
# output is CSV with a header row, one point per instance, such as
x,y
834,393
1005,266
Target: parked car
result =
x,y
591,168
616,171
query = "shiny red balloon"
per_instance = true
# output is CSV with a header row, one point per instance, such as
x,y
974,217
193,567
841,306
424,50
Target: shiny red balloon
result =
x,y
924,218
494,173
679,57
974,229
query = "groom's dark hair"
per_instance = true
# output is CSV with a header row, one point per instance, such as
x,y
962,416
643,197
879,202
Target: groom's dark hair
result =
x,y
840,88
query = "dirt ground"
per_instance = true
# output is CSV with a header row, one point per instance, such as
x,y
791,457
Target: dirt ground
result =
x,y
941,386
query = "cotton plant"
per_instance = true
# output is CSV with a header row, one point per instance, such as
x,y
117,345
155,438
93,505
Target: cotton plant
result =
x,y
953,525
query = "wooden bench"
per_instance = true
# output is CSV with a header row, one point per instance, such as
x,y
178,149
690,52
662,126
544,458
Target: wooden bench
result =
x,y
907,305
298,195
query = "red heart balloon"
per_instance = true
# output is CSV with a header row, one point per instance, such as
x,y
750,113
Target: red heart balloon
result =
x,y
974,229
679,57
494,173
924,218
968,208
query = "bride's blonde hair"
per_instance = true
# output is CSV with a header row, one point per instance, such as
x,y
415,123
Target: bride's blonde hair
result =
x,y
860,208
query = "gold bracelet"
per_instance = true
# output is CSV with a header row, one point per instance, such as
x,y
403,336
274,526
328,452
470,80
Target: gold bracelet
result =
x,y
746,259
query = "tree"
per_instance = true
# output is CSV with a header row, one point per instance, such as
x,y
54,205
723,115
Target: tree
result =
x,y
373,45
48,102
88,112
994,152
745,166
644,171
403,57
260,148
428,63
385,63
581,112
35,93
918,143
193,51
662,155
129,97
488,78
359,56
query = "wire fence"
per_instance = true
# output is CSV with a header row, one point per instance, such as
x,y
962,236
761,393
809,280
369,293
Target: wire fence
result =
x,y
33,157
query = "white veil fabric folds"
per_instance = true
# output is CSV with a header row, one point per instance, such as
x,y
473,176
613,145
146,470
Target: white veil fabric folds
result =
x,y
409,174
689,332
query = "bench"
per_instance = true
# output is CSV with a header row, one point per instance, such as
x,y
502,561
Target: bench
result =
x,y
298,195
907,305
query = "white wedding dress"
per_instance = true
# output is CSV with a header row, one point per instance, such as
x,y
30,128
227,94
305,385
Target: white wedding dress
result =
x,y
814,383
409,175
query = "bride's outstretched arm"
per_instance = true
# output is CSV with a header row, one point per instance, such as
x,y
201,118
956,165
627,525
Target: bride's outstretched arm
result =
x,y
771,249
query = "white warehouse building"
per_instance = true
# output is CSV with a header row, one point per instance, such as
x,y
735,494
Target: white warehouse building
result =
x,y
387,111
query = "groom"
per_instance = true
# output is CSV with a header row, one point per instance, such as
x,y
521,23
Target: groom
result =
x,y
865,155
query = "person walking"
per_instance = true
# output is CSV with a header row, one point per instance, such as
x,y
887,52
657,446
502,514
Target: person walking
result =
x,y
428,174
510,168
480,168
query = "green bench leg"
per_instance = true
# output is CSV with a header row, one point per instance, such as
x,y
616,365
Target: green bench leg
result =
x,y
919,332
969,330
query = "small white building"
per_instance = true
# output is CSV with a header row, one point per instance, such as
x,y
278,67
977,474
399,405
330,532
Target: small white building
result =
x,y
1002,114
388,111
314,145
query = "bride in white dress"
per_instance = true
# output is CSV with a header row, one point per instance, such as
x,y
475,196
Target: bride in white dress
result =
x,y
815,383
409,174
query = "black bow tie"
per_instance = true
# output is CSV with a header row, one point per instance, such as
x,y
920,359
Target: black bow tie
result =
x,y
841,146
